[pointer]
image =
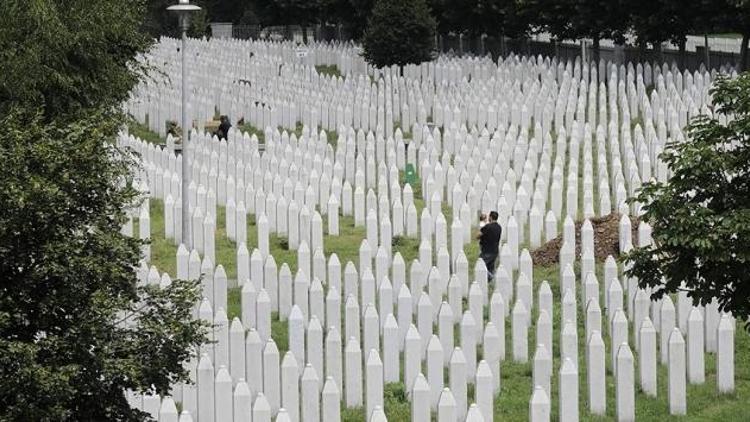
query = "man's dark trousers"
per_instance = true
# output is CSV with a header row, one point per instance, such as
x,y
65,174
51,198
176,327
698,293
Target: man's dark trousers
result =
x,y
489,260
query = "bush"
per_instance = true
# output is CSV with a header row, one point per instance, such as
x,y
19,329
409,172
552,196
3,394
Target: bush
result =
x,y
701,215
399,32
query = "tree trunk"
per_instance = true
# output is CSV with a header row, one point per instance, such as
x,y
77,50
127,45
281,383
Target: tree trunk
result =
x,y
642,52
743,51
304,34
682,53
595,50
658,52
708,52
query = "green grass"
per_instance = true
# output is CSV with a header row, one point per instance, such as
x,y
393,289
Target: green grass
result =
x,y
163,251
395,404
404,131
512,403
142,131
252,130
332,135
328,70
703,401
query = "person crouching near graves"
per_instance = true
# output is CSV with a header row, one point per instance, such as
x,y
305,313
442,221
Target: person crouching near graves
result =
x,y
224,126
489,241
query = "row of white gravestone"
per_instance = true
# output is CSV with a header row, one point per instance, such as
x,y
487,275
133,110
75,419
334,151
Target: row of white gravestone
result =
x,y
446,125
669,80
324,188
542,362
619,323
563,260
534,223
520,335
317,225
319,264
303,399
434,145
615,150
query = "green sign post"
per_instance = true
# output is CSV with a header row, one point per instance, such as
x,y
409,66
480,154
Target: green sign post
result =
x,y
410,175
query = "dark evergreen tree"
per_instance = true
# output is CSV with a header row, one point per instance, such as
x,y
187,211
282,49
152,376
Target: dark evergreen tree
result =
x,y
399,32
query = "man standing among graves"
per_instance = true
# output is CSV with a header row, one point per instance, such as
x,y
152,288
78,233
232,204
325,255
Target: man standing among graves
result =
x,y
489,242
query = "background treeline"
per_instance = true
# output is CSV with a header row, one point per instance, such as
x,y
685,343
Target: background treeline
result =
x,y
645,23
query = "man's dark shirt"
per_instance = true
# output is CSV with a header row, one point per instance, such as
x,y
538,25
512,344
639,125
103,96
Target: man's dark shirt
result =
x,y
490,239
223,131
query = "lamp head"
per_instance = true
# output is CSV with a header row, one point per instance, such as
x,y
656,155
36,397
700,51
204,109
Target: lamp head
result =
x,y
183,9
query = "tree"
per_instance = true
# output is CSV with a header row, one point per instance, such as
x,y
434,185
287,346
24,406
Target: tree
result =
x,y
741,20
491,17
457,16
76,328
701,215
732,16
159,21
686,18
658,21
399,32
361,13
597,20
292,12
552,16
341,13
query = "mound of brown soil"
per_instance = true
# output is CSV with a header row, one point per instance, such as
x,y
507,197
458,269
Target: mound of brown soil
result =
x,y
606,240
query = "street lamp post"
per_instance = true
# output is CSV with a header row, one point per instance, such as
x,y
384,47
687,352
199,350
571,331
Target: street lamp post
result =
x,y
183,9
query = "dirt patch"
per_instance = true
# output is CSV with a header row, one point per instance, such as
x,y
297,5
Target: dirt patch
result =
x,y
606,240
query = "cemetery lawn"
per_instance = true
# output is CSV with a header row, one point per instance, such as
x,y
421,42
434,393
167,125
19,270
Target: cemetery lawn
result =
x,y
139,130
251,130
328,70
512,404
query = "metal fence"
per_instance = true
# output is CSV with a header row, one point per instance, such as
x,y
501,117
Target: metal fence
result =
x,y
246,32
502,47
460,45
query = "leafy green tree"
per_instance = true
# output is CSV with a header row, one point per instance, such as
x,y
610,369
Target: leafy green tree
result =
x,y
399,32
159,21
658,21
76,328
477,17
597,20
701,215
455,16
361,13
731,16
551,16
292,12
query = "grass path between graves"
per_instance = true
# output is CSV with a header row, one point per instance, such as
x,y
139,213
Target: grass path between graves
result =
x,y
140,130
328,70
512,404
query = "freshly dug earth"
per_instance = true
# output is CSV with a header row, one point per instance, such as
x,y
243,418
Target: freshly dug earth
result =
x,y
606,240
